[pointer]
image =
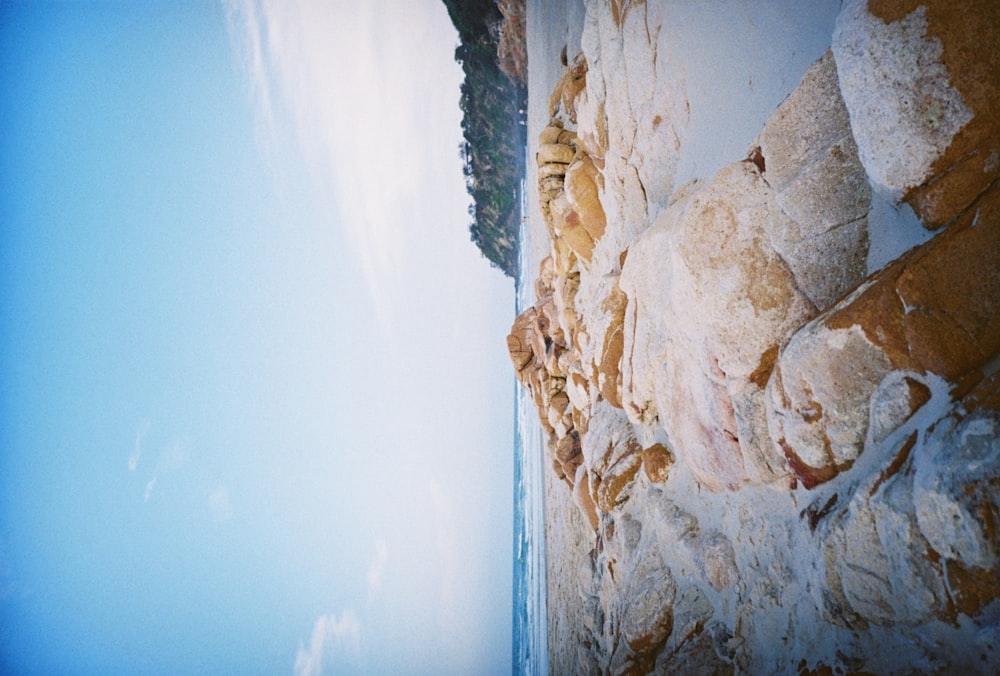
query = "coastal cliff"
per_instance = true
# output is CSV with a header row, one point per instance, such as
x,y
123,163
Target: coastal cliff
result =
x,y
779,422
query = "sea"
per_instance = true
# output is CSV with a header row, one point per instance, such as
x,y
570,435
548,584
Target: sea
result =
x,y
530,644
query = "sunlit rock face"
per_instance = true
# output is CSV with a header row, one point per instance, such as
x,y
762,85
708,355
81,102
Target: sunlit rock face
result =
x,y
922,84
730,270
845,381
786,460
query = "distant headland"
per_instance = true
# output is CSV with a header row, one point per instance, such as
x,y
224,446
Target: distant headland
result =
x,y
494,98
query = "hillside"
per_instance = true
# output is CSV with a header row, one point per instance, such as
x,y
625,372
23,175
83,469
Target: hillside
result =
x,y
494,139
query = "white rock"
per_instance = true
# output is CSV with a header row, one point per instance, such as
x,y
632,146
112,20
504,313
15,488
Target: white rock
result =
x,y
904,113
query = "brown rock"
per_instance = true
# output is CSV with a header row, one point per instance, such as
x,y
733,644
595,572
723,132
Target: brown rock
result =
x,y
583,185
656,462
935,310
550,134
582,497
821,192
607,368
647,618
554,152
518,342
569,227
574,79
568,453
614,481
921,79
552,169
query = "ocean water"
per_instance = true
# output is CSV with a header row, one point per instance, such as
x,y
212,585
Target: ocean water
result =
x,y
530,647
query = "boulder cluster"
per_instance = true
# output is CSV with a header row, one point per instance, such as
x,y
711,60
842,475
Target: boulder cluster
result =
x,y
728,337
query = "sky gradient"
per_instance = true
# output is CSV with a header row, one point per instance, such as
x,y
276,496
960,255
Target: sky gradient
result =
x,y
256,409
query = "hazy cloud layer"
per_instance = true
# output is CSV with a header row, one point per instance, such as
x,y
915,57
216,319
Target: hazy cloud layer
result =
x,y
366,115
335,642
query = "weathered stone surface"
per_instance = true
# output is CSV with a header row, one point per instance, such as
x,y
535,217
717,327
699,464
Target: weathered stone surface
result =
x,y
569,228
555,152
957,489
613,482
563,97
708,299
519,340
936,310
648,615
918,540
630,115
811,163
607,357
738,264
921,79
656,462
880,563
716,559
854,511
568,453
583,498
583,185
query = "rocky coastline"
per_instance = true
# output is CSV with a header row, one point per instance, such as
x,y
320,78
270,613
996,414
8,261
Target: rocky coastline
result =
x,y
785,451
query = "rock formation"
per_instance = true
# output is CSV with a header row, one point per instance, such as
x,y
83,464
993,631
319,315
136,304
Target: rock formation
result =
x,y
790,462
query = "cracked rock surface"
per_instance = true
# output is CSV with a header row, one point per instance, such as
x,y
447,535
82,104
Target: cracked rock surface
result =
x,y
769,455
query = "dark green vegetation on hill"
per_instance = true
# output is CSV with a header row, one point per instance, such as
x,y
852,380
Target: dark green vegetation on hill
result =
x,y
493,149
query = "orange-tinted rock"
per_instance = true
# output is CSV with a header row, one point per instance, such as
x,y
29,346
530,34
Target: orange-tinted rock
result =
x,y
821,193
569,227
613,482
583,185
921,79
582,497
568,453
607,366
708,299
935,310
656,462
518,342
554,152
549,135
574,79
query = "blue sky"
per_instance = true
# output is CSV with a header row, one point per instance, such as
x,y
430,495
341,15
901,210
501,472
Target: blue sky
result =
x,y
255,403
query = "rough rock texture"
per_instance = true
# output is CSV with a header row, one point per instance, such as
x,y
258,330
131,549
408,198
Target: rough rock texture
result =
x,y
708,299
729,270
808,156
922,83
840,384
780,464
512,52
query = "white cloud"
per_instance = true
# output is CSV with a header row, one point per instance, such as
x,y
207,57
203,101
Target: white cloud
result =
x,y
140,436
246,32
220,504
150,485
368,113
335,642
377,566
174,457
